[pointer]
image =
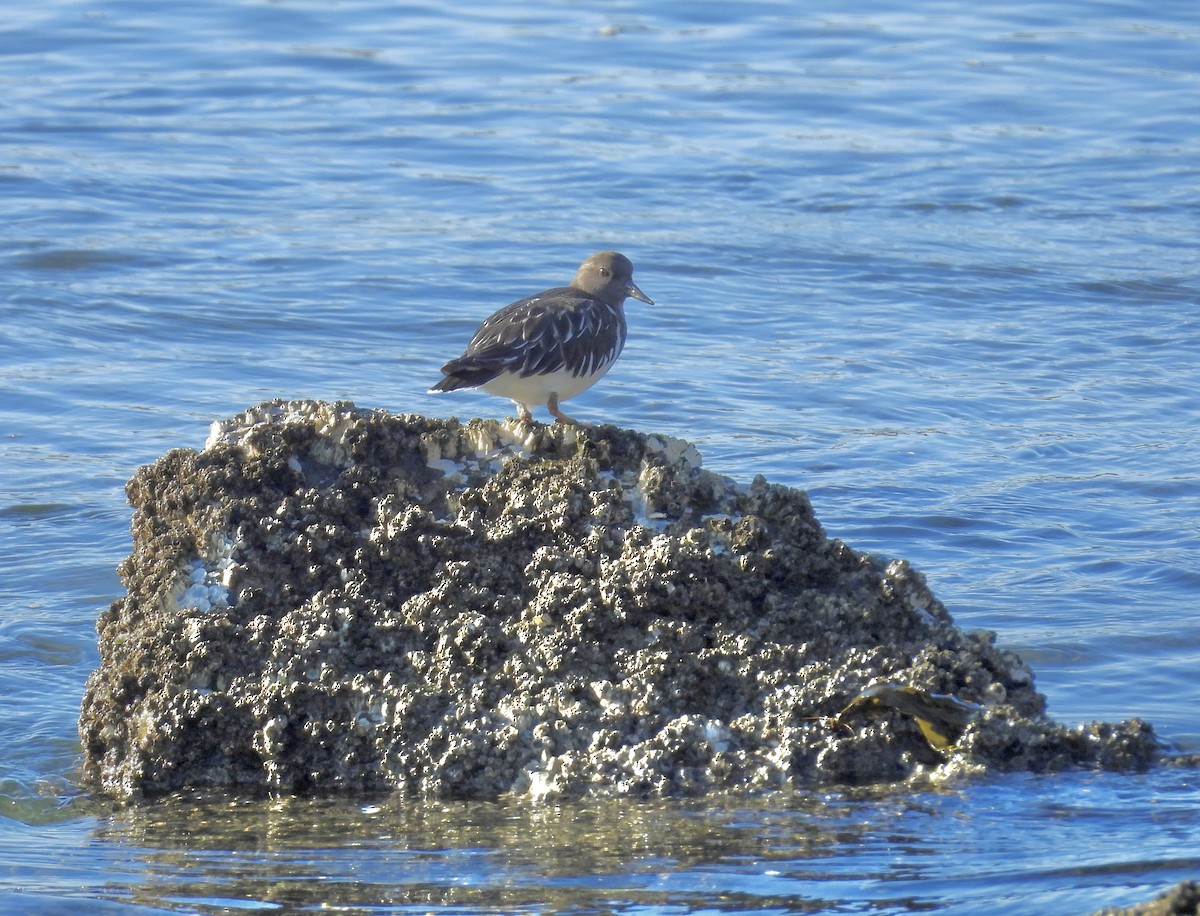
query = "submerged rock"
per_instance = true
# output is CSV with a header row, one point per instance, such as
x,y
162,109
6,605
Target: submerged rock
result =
x,y
329,598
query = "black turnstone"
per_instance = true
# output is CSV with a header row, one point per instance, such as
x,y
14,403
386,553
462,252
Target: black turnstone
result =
x,y
552,346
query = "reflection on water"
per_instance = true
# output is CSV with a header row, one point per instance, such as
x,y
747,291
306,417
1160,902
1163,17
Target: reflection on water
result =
x,y
390,852
1022,841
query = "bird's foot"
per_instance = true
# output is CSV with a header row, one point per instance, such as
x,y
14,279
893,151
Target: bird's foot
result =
x,y
559,416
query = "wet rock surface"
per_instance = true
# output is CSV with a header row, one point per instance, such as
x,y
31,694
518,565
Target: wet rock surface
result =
x,y
1181,900
327,598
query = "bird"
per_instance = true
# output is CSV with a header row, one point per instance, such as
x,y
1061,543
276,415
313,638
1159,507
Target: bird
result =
x,y
547,348
942,717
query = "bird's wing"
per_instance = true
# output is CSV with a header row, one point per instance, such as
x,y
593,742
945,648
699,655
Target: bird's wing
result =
x,y
546,333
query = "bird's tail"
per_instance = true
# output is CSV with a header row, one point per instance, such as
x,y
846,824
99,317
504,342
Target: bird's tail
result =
x,y
450,383
466,372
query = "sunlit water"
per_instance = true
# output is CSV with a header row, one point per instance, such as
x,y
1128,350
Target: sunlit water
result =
x,y
936,265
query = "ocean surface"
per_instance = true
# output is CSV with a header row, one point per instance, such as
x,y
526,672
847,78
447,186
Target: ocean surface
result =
x,y
938,264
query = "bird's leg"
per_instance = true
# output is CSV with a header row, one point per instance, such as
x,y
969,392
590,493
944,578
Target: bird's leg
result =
x,y
552,406
523,413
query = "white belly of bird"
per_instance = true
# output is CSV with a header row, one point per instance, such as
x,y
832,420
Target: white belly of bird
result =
x,y
536,389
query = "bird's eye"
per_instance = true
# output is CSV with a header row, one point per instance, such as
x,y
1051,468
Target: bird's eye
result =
x,y
604,271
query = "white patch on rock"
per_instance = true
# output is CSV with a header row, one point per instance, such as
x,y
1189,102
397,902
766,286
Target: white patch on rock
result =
x,y
203,584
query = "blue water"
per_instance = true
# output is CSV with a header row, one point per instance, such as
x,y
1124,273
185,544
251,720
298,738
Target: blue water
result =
x,y
938,265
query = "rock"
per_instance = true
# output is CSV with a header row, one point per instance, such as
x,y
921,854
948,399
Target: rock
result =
x,y
1181,900
327,598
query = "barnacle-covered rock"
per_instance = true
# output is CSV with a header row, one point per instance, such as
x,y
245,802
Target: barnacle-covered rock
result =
x,y
327,598
1181,900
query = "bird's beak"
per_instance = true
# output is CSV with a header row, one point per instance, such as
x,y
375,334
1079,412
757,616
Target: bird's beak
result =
x,y
632,290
